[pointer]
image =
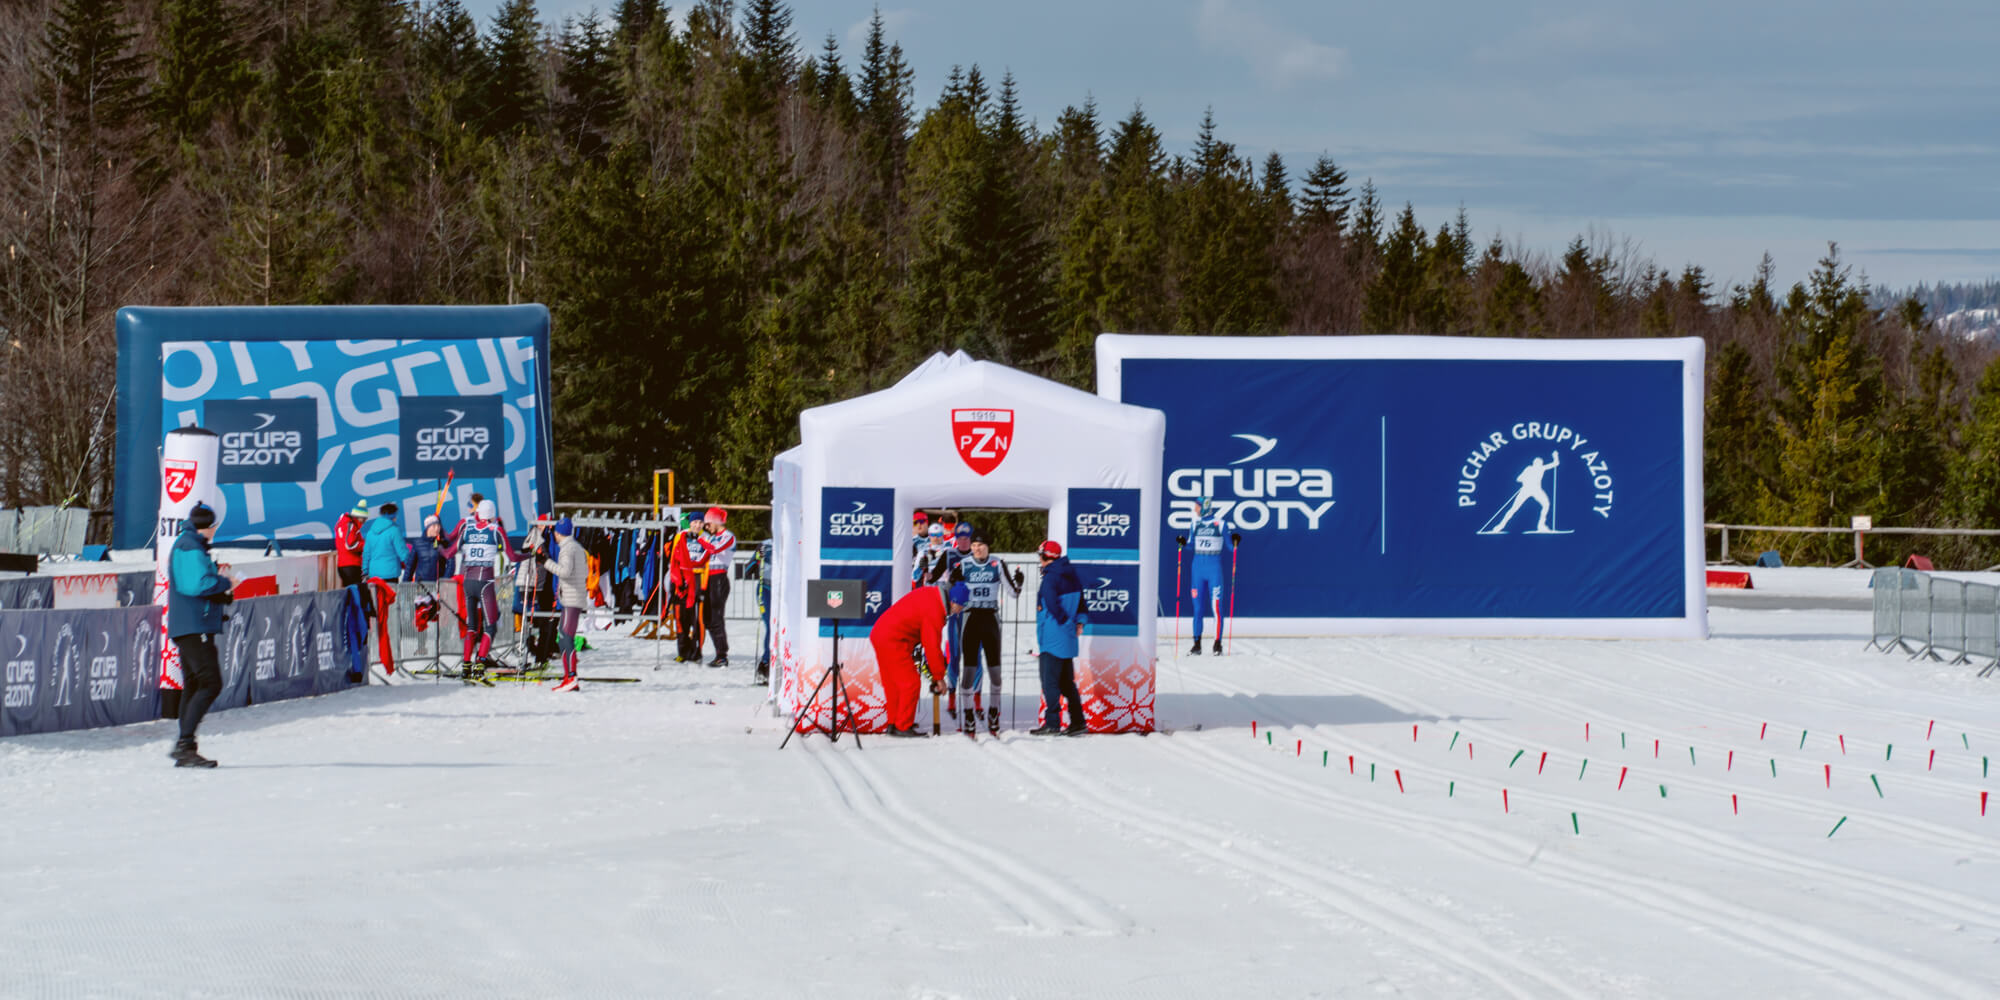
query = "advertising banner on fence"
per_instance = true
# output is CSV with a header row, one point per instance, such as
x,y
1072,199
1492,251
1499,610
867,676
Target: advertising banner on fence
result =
x,y
1429,484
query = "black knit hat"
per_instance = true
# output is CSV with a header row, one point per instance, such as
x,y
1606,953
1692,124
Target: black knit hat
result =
x,y
201,516
387,509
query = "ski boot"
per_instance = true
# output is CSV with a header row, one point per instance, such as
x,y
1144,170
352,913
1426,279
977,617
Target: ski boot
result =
x,y
719,661
185,755
1195,650
971,725
568,683
1218,647
1046,731
1076,728
993,720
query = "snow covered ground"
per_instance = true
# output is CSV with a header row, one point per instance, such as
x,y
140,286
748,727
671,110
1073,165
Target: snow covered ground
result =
x,y
650,840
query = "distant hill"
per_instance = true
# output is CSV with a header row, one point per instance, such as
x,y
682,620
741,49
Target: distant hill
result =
x,y
1970,311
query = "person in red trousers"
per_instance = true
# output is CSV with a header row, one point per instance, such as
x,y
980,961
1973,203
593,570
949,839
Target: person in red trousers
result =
x,y
916,620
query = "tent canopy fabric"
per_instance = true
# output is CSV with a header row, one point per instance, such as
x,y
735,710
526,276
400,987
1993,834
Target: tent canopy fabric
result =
x,y
958,432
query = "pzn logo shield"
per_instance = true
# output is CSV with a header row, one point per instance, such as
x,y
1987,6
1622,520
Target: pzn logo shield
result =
x,y
179,478
982,437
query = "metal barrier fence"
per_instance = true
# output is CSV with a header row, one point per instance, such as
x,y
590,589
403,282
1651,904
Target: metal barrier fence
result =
x,y
1936,617
44,531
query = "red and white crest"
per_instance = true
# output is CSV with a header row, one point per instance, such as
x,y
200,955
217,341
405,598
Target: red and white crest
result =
x,y
180,478
982,437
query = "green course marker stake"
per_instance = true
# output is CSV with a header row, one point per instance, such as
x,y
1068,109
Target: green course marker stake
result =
x,y
1691,756
1450,789
1454,741
1889,752
1802,739
1573,827
1663,791
1774,767
1371,772
1322,758
1966,740
1982,767
1878,788
1267,737
1517,756
1836,828
1580,770
1621,741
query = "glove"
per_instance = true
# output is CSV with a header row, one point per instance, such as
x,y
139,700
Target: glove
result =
x,y
226,597
1235,539
937,689
1180,539
1018,578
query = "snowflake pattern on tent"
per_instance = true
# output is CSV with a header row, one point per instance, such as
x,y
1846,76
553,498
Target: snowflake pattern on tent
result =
x,y
1117,697
864,709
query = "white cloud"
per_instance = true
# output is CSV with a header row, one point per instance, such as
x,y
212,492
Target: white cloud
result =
x,y
1279,56
893,24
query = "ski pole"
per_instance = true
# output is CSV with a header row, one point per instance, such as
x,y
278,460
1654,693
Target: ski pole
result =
x,y
1234,548
1177,599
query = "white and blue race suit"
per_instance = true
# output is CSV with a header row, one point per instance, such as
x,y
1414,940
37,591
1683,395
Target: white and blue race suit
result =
x,y
979,639
1207,538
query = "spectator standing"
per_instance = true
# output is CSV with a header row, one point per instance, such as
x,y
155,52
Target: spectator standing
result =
x,y
195,601
349,538
720,544
1057,622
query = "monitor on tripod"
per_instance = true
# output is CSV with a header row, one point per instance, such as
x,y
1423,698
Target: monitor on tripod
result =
x,y
833,600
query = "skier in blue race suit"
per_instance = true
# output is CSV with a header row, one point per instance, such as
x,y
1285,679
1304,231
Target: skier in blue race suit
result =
x,y
1205,570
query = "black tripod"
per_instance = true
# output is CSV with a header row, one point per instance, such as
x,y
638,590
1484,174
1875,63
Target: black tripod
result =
x,y
832,726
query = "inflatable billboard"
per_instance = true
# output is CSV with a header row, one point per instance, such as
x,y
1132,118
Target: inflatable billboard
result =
x,y
1440,485
321,407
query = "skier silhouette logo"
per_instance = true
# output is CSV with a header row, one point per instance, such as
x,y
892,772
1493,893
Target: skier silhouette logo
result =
x,y
1530,479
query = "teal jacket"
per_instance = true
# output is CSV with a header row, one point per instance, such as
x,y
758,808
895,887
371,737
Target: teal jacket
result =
x,y
385,551
196,590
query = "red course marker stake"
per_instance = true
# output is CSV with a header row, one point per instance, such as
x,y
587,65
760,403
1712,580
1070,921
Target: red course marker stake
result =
x,y
1760,729
1982,803
1350,763
1933,762
1843,745
1731,763
1544,763
1586,732
1927,729
1468,749
1504,806
1656,749
1732,805
1413,732
1399,782
1829,775
1621,779
1301,751
1253,729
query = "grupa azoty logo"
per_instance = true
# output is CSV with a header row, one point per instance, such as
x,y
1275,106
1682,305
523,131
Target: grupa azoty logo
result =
x,y
1250,495
1106,599
1103,522
1530,478
857,523
20,690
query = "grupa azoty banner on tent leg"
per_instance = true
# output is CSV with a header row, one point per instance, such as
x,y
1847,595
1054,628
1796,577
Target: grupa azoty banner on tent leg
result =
x,y
1435,485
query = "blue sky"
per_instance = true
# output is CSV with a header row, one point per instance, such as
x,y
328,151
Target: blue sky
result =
x,y
1701,131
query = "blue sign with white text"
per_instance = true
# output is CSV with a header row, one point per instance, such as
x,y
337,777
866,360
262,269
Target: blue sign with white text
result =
x,y
449,435
1430,488
1104,525
1110,603
855,524
264,440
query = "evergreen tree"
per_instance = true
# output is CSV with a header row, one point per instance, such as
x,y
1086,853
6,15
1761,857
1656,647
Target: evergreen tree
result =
x,y
203,68
96,80
450,59
511,92
1972,494
832,90
772,49
590,86
1324,200
1735,457
1394,300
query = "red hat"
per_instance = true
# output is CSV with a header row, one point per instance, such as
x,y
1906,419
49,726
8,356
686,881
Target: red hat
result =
x,y
1051,548
919,517
716,514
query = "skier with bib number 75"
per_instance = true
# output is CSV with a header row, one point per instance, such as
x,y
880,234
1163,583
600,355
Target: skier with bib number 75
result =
x,y
1206,576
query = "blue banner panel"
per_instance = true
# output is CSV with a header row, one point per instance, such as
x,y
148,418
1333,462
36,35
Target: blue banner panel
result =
x,y
1103,525
135,590
878,589
329,643
24,659
1110,597
234,647
264,440
854,525
455,435
354,369
1400,488
27,593
283,661
124,666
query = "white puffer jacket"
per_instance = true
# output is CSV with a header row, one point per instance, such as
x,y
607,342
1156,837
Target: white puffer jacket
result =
x,y
571,567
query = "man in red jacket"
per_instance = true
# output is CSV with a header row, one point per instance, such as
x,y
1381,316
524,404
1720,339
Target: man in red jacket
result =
x,y
916,620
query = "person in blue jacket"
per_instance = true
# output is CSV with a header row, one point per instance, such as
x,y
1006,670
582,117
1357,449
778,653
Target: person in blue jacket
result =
x,y
1057,623
384,552
195,598
1205,577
